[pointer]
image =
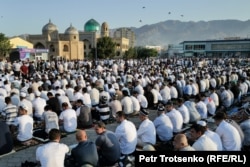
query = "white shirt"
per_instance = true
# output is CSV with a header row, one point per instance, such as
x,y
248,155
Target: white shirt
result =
x,y
173,92
94,95
165,93
202,109
211,108
215,138
52,154
29,105
204,143
136,104
188,89
202,86
127,105
164,127
127,136
115,106
229,135
142,100
185,113
225,98
147,132
77,96
25,127
215,98
70,93
86,99
139,89
38,106
155,95
212,82
69,120
176,119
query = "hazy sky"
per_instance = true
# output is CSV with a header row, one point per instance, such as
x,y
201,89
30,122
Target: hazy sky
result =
x,y
29,16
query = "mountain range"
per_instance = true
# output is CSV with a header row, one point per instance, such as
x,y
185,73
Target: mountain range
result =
x,y
175,32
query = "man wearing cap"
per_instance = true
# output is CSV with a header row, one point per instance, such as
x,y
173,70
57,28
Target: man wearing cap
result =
x,y
107,144
26,102
201,141
25,124
163,125
229,135
103,109
212,135
146,133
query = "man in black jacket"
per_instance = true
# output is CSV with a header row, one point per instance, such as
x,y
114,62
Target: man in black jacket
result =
x,y
85,153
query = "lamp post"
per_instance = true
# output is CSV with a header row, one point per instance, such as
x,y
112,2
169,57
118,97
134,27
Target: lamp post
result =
x,y
95,47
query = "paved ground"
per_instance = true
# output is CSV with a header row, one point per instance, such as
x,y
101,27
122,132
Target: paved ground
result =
x,y
15,159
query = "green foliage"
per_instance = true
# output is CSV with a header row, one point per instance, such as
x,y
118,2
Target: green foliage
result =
x,y
105,48
130,53
140,53
5,45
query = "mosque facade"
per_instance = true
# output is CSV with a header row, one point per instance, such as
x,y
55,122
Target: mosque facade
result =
x,y
74,44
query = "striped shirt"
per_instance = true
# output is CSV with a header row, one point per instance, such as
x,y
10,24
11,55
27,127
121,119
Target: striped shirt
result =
x,y
104,111
9,113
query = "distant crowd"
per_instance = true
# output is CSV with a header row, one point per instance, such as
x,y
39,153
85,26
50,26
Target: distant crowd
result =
x,y
71,96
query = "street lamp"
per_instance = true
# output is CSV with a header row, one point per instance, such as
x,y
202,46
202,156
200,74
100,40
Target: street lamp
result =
x,y
95,47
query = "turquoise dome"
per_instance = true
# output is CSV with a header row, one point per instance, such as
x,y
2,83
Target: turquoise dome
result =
x,y
91,25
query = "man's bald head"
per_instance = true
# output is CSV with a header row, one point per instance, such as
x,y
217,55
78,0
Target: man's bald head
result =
x,y
181,138
180,141
81,135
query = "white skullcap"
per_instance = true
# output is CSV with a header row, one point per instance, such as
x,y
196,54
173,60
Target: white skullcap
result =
x,y
202,123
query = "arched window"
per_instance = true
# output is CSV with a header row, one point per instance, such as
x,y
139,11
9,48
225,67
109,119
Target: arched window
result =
x,y
65,48
39,46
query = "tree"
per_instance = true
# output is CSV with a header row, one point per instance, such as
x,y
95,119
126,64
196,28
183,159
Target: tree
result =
x,y
143,53
5,45
105,48
130,53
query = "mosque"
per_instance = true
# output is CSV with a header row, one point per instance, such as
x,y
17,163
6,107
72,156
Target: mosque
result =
x,y
74,44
